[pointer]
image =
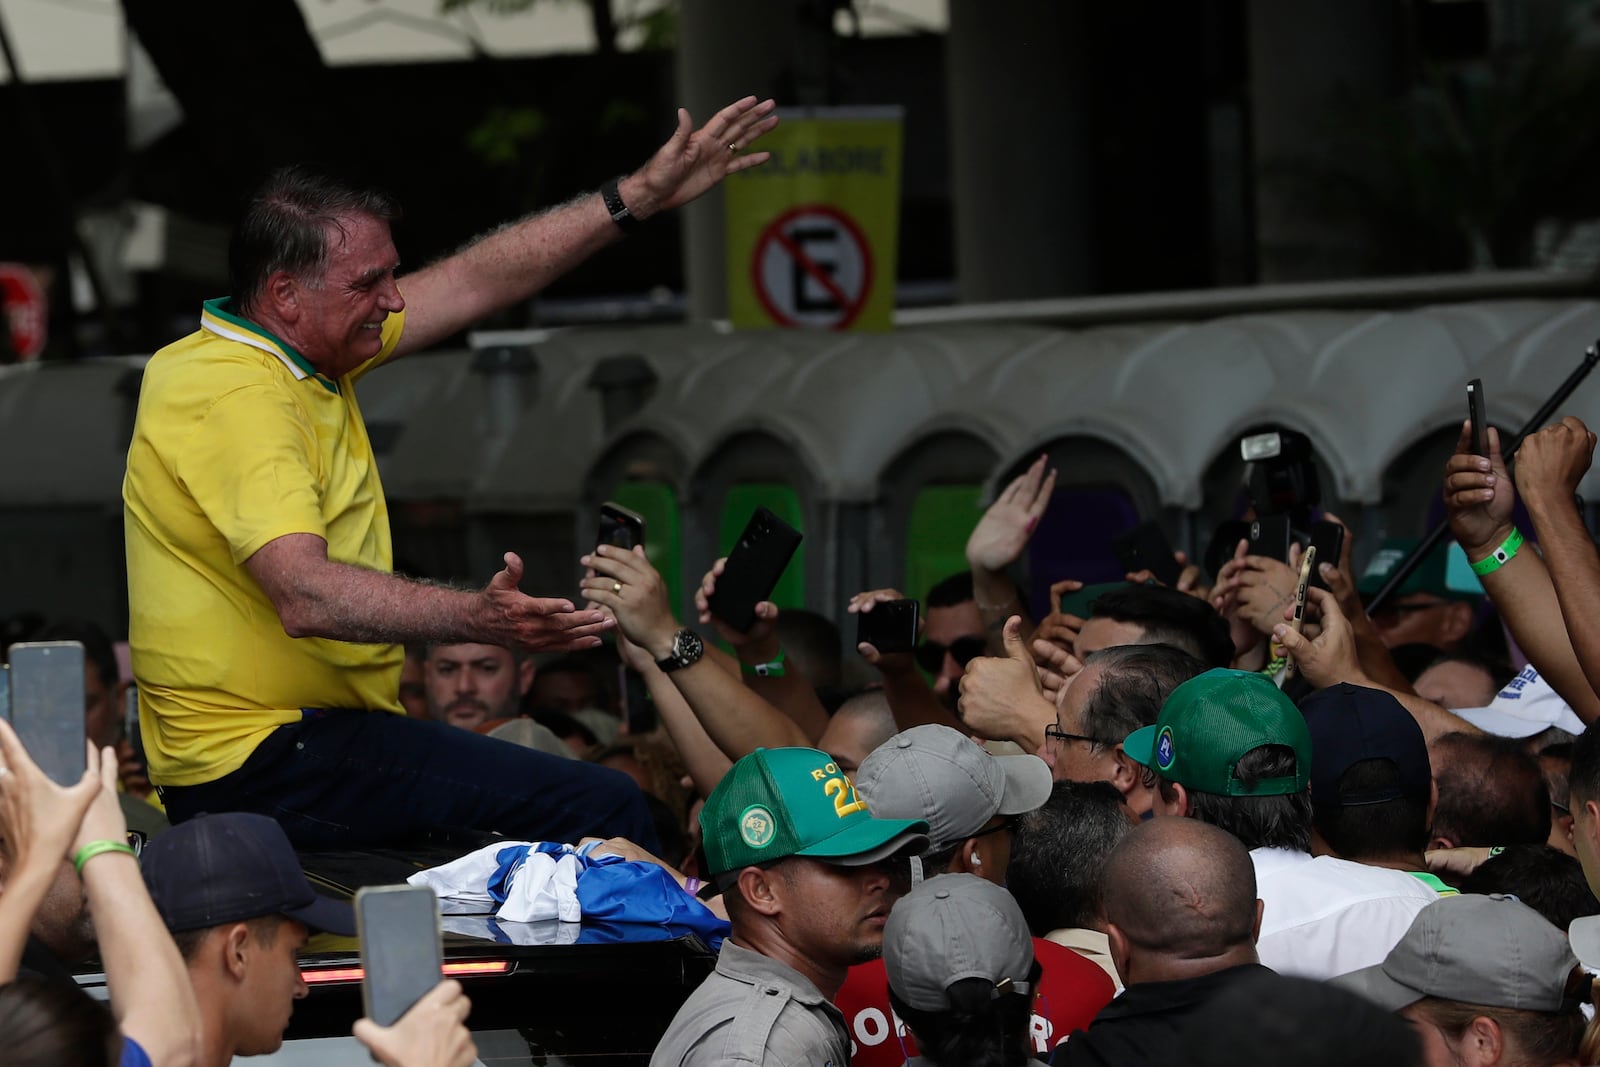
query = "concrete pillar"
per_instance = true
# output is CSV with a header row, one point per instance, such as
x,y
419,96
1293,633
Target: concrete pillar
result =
x,y
727,49
1018,148
1301,53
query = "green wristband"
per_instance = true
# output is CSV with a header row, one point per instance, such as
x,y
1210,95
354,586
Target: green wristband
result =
x,y
96,848
1500,556
771,669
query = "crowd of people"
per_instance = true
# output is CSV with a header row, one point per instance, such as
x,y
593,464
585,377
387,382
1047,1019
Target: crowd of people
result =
x,y
1160,824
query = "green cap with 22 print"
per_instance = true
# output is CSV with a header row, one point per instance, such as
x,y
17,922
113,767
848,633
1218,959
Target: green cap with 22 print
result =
x,y
1210,722
781,802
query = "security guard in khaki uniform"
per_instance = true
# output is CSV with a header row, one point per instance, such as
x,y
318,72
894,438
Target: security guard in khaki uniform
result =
x,y
806,877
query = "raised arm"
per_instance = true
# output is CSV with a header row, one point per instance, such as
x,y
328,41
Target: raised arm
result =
x,y
317,597
705,762
785,688
999,540
38,822
738,720
517,260
148,982
912,701
1479,498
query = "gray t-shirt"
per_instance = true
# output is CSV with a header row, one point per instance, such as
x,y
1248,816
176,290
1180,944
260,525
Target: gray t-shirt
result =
x,y
753,1009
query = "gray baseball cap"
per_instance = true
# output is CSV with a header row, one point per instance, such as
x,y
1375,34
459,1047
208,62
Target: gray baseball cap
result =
x,y
952,927
1489,950
945,778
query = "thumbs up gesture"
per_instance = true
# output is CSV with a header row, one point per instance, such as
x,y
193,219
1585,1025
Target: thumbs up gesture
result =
x,y
1001,697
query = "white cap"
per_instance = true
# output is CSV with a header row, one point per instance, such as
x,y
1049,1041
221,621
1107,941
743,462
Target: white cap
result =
x,y
1526,706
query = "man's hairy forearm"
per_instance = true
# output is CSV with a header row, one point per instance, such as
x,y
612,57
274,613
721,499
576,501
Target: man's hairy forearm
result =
x,y
349,603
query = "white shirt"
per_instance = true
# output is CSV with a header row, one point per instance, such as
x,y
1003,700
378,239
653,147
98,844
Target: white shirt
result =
x,y
1323,917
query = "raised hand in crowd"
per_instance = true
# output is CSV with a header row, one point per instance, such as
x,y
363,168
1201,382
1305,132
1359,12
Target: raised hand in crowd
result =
x,y
39,820
738,720
1479,499
1191,579
1002,698
999,540
1249,648
151,997
1329,658
911,700
1550,465
433,1033
761,659
702,757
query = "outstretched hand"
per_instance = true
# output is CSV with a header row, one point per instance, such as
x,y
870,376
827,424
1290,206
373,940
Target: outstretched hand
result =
x,y
536,624
692,161
1002,534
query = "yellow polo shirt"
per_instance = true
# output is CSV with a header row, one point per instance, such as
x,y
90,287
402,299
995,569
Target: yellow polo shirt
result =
x,y
238,441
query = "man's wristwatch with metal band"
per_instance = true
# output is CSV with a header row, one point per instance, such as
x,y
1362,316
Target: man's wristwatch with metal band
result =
x,y
687,648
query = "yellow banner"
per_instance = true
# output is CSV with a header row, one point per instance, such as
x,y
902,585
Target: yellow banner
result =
x,y
812,233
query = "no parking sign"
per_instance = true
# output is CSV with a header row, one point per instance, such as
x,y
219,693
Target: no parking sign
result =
x,y
811,235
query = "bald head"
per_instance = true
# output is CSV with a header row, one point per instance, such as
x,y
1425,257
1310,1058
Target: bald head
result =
x,y
1182,890
861,724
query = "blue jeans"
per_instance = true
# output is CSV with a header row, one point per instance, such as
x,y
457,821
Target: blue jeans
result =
x,y
344,778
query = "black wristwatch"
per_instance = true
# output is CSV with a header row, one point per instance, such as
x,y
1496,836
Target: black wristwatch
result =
x,y
626,221
687,648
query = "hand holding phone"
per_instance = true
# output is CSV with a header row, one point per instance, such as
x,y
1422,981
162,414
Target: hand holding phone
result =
x,y
1146,547
890,627
757,561
1308,562
47,706
401,956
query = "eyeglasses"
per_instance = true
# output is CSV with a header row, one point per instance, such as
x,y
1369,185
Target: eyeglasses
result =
x,y
1056,735
1394,612
930,654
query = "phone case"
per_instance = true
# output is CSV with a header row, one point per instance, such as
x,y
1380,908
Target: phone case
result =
x,y
46,681
620,526
400,952
1269,537
891,626
754,566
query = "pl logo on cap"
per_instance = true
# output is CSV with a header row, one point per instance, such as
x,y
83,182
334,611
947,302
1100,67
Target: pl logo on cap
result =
x,y
1164,748
757,826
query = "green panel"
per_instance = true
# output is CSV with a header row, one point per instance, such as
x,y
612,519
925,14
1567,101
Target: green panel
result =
x,y
663,530
737,507
942,518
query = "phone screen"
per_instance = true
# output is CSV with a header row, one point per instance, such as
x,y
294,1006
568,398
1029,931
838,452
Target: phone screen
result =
x,y
47,706
399,930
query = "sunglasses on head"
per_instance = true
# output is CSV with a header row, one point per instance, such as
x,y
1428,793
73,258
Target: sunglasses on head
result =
x,y
930,654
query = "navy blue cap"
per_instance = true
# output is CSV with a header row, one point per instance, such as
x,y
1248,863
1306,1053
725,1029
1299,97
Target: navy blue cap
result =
x,y
1351,723
226,868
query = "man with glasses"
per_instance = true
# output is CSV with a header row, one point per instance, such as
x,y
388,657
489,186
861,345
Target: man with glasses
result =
x,y
1119,690
969,800
1434,606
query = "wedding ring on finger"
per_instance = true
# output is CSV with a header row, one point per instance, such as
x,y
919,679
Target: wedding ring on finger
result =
x,y
616,588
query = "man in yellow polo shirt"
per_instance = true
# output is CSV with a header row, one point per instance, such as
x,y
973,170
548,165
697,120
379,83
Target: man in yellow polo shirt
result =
x,y
265,625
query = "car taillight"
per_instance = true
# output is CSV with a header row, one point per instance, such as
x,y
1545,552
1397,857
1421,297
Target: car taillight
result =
x,y
462,968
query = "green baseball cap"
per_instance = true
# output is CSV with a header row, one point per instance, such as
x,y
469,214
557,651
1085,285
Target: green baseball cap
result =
x,y
1444,571
781,802
1210,722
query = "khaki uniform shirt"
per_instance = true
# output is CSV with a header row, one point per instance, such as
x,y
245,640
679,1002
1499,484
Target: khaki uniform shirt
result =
x,y
753,1009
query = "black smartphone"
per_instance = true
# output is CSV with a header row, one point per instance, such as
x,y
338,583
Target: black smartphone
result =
x,y
1480,428
754,566
47,706
1224,539
638,710
400,955
620,526
891,626
1269,537
1145,547
1328,539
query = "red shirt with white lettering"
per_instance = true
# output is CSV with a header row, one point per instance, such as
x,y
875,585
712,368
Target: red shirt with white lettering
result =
x,y
1071,993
